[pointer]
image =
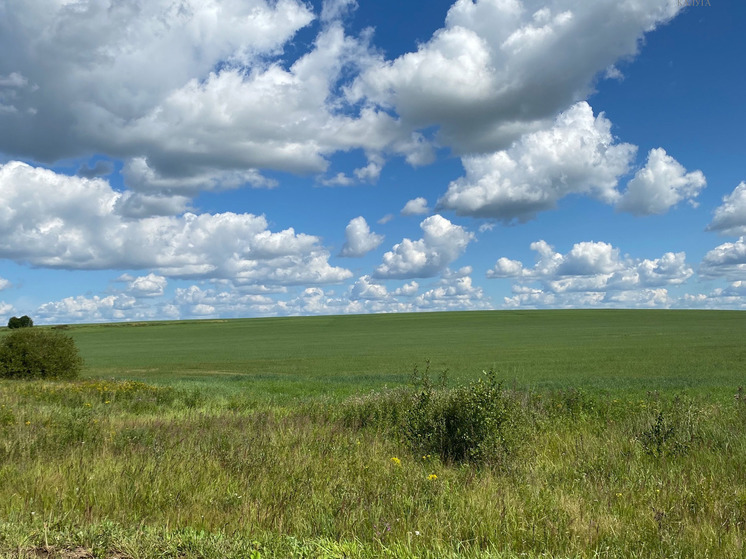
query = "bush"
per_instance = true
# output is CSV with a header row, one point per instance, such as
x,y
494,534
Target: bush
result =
x,y
465,424
39,353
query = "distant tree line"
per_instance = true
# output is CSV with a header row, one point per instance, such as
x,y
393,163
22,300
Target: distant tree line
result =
x,y
23,322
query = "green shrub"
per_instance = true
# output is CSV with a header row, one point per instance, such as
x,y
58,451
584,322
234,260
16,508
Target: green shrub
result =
x,y
465,424
39,353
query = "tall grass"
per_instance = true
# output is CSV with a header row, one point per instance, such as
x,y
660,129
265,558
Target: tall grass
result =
x,y
151,471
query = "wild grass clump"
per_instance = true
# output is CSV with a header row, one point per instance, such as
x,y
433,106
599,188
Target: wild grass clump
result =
x,y
380,409
661,438
36,353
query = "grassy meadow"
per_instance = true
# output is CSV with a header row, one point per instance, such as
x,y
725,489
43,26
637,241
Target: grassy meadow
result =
x,y
609,434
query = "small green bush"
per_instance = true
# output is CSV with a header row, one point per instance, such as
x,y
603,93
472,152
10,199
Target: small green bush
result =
x,y
39,353
465,424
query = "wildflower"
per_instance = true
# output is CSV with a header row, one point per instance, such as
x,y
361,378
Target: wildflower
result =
x,y
107,402
28,423
432,477
618,494
395,461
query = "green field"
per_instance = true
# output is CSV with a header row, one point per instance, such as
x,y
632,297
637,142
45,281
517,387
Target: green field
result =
x,y
613,434
595,349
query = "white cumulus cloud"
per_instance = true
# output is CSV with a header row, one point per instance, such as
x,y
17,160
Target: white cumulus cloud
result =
x,y
93,67
733,296
576,155
730,216
360,240
506,268
203,95
334,9
660,185
442,242
367,288
592,273
726,260
57,221
500,68
456,293
94,309
417,206
221,129
151,285
408,289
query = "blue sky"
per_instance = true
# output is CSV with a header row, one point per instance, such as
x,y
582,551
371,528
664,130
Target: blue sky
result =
x,y
236,158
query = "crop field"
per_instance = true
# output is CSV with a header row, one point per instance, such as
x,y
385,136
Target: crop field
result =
x,y
477,434
615,350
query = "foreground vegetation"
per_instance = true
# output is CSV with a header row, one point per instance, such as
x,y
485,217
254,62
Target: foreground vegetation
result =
x,y
616,434
130,469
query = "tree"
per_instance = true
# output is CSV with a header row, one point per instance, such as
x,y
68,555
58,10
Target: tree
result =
x,y
23,322
39,353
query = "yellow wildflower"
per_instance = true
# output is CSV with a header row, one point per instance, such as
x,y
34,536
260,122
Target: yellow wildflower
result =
x,y
395,461
432,477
